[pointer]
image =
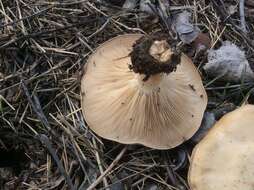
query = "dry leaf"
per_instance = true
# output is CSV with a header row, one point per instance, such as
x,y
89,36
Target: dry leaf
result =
x,y
130,4
185,29
145,6
229,62
202,42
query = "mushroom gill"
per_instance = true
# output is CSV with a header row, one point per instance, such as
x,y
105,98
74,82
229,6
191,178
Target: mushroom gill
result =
x,y
137,90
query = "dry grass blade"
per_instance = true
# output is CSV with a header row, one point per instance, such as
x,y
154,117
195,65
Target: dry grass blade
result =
x,y
111,166
36,106
44,139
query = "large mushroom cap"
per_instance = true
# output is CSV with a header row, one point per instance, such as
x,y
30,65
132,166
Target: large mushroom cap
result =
x,y
224,159
118,105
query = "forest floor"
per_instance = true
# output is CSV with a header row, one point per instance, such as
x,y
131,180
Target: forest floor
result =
x,y
45,142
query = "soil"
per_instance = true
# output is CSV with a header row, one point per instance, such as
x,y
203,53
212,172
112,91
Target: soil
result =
x,y
144,63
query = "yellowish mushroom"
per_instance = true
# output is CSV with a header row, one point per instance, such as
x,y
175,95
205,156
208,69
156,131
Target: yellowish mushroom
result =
x,y
224,158
136,90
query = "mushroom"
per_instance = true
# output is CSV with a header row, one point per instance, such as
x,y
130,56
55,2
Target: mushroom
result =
x,y
223,159
136,90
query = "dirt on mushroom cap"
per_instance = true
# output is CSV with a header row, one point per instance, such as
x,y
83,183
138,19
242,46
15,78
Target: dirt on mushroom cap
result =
x,y
145,63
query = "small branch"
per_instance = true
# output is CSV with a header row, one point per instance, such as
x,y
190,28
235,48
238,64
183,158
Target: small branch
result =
x,y
170,171
44,32
105,182
242,16
36,106
26,18
100,178
44,139
220,7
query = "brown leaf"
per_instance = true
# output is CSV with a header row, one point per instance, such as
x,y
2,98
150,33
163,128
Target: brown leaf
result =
x,y
202,42
249,3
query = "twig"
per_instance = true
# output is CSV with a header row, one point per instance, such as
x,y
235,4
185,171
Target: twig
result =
x,y
2,98
170,171
220,7
242,16
100,178
99,30
36,106
113,20
61,3
43,32
44,139
27,17
99,163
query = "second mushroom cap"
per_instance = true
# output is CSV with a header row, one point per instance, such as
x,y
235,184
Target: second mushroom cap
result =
x,y
223,160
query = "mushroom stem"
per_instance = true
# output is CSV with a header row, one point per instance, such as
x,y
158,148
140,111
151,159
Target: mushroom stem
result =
x,y
151,84
152,56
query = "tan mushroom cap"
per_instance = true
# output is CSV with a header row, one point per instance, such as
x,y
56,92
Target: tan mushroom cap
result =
x,y
160,113
224,159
